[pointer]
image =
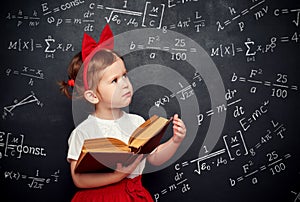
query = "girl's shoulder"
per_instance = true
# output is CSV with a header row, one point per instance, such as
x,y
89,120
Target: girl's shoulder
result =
x,y
135,118
90,119
86,125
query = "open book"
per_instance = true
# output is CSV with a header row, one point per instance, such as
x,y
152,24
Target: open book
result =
x,y
103,154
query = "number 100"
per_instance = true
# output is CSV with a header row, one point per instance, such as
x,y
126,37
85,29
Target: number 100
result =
x,y
280,93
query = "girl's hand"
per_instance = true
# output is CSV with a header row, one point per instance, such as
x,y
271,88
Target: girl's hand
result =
x,y
124,171
179,130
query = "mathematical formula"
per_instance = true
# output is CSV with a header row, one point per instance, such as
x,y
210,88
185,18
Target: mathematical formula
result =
x,y
34,181
259,101
14,146
235,146
150,16
50,47
279,87
32,74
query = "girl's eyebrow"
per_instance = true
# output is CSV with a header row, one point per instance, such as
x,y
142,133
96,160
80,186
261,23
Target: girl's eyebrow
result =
x,y
115,75
112,77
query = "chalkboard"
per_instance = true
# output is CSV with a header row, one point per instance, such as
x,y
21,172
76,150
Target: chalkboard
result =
x,y
229,68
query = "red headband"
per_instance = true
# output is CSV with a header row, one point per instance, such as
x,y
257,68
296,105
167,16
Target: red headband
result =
x,y
89,45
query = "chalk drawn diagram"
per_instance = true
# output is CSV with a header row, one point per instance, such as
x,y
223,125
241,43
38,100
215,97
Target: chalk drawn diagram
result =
x,y
27,100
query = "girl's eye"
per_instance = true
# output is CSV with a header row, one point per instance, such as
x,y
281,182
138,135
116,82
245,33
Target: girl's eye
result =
x,y
115,80
125,75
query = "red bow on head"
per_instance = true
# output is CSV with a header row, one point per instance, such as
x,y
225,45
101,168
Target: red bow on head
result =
x,y
89,44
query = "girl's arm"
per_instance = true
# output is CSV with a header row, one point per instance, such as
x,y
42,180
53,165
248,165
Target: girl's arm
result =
x,y
93,180
166,150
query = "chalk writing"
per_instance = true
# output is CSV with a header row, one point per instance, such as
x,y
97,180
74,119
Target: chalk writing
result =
x,y
275,165
277,130
35,182
61,8
197,21
27,100
250,50
297,197
229,95
237,16
277,12
246,123
184,93
33,19
50,46
236,145
180,183
13,146
173,3
151,15
279,87
28,72
178,51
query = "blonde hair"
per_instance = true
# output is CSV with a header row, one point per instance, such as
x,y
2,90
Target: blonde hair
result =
x,y
100,60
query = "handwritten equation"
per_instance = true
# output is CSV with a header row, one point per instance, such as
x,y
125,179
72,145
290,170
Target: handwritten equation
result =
x,y
34,181
251,49
179,51
13,146
184,93
238,15
258,10
180,183
32,74
150,16
50,47
20,17
222,108
197,21
277,130
279,87
275,165
235,146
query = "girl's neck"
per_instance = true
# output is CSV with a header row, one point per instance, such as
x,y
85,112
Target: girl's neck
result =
x,y
109,114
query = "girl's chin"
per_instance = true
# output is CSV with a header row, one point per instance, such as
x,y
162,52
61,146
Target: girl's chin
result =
x,y
123,104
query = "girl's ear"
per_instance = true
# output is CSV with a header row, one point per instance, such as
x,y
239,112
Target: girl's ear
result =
x,y
90,96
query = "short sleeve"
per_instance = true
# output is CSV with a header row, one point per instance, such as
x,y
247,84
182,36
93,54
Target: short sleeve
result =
x,y
75,145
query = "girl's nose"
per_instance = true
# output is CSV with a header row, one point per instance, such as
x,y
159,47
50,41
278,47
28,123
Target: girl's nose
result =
x,y
124,82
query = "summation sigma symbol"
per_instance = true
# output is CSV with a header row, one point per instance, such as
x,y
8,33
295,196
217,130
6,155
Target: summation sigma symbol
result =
x,y
51,46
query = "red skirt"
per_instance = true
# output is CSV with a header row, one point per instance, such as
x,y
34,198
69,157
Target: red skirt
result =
x,y
126,190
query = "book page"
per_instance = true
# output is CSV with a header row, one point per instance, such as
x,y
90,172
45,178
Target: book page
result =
x,y
149,132
142,127
105,145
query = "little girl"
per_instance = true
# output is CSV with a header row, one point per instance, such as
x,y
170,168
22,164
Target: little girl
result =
x,y
108,88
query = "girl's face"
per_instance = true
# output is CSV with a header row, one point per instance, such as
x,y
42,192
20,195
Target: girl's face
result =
x,y
114,87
